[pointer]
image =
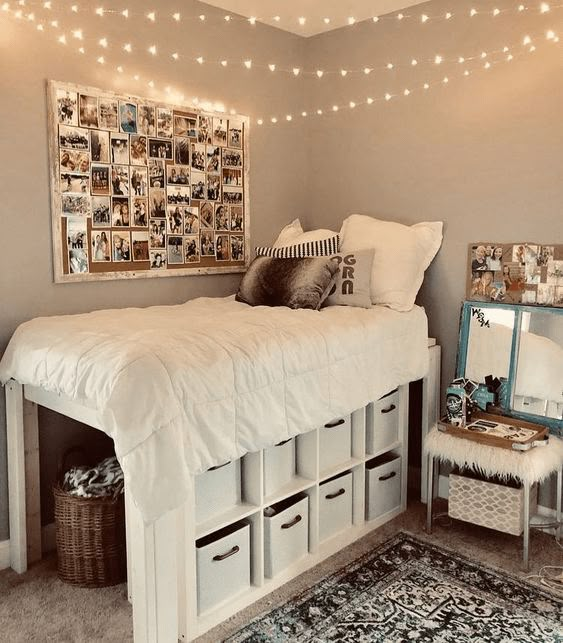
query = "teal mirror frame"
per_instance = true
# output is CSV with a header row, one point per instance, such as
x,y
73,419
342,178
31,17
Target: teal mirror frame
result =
x,y
555,425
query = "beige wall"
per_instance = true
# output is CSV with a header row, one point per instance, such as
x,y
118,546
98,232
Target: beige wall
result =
x,y
27,59
482,154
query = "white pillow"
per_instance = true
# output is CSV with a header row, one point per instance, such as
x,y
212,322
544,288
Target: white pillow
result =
x,y
293,235
402,254
286,236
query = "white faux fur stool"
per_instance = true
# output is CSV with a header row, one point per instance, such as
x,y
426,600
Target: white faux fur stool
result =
x,y
528,467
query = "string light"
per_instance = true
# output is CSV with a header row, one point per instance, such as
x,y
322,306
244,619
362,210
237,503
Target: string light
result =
x,y
423,18
550,36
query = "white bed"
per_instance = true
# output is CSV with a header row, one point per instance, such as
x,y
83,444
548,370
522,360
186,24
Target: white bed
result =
x,y
214,376
183,388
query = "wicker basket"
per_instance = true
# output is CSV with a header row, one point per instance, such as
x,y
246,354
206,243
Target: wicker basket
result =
x,y
90,536
485,503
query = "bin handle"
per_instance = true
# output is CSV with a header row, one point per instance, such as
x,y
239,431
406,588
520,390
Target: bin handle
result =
x,y
332,496
280,444
331,425
289,525
388,410
232,552
219,466
389,476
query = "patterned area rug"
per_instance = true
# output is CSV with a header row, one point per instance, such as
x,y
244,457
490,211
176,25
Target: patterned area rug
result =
x,y
408,590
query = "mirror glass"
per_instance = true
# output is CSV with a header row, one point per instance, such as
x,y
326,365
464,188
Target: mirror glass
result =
x,y
539,376
489,343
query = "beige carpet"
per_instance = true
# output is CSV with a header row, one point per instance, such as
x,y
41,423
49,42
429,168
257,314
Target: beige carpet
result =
x,y
36,606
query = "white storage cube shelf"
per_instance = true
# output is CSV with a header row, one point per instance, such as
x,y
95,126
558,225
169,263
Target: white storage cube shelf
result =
x,y
271,515
279,466
382,430
383,485
286,534
335,444
217,490
335,506
223,566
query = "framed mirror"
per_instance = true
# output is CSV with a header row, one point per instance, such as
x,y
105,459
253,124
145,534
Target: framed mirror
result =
x,y
515,354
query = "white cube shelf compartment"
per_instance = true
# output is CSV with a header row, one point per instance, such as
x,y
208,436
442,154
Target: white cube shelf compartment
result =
x,y
223,566
279,466
286,534
335,443
335,506
383,485
489,504
382,430
217,490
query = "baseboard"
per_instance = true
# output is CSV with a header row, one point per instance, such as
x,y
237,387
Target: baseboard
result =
x,y
4,554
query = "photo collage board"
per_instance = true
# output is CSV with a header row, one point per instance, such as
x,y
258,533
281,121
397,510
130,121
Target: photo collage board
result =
x,y
143,188
516,273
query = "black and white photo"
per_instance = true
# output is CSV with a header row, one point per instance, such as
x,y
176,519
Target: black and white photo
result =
x,y
198,157
198,185
121,246
182,150
191,220
220,126
157,260
164,122
101,211
67,107
160,149
99,146
138,149
140,246
175,220
75,205
75,161
191,248
237,218
146,120
139,181
73,138
206,217
232,158
204,127
237,247
175,250
88,110
213,160
156,174
120,180
177,175
157,203
100,180
119,149
120,215
178,195
213,187
108,116
157,233
77,183
232,196
139,207
207,243
222,247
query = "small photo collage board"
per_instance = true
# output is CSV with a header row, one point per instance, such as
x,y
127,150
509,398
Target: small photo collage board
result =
x,y
141,187
519,273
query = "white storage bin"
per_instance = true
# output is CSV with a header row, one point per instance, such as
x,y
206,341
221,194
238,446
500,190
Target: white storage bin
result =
x,y
490,504
335,506
383,485
383,423
286,533
335,443
217,490
279,466
223,565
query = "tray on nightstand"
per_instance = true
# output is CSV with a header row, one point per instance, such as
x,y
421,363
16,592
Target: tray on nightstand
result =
x,y
499,431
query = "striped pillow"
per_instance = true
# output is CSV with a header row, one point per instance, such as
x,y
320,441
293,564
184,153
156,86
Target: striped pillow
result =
x,y
320,248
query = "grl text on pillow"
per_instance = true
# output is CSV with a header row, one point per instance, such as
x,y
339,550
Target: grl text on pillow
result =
x,y
402,254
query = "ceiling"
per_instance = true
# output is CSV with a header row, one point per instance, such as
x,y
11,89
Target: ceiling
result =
x,y
289,11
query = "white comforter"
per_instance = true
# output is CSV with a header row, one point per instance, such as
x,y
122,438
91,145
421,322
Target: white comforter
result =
x,y
183,388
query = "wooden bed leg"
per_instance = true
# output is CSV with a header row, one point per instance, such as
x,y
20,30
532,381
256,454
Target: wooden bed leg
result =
x,y
32,481
142,578
16,476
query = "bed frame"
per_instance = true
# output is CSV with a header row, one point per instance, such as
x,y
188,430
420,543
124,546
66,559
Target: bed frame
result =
x,y
161,557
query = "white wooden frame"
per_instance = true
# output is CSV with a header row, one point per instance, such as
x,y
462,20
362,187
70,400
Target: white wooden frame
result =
x,y
161,563
58,249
